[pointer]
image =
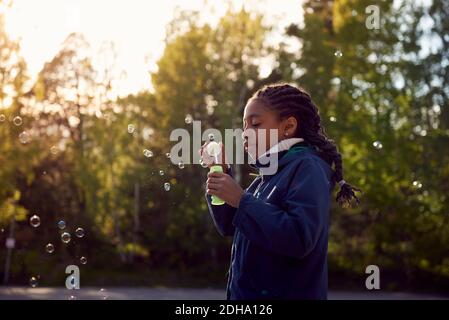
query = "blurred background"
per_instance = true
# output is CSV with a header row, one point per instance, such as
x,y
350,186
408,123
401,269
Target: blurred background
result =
x,y
90,91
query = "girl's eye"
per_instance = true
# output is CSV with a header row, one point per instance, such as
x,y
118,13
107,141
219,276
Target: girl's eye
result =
x,y
255,124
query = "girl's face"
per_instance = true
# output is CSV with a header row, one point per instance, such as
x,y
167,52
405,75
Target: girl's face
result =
x,y
262,128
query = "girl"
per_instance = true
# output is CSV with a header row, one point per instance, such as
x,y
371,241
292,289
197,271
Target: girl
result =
x,y
280,223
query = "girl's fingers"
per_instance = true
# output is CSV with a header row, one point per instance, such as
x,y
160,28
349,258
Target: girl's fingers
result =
x,y
213,182
213,192
215,175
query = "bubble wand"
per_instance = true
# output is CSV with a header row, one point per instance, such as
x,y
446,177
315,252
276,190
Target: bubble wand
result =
x,y
214,150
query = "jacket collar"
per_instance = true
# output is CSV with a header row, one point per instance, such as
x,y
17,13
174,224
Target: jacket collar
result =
x,y
286,150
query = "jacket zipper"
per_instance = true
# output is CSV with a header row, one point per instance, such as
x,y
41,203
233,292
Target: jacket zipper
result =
x,y
258,187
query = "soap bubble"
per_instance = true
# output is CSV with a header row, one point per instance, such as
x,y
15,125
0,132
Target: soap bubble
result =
x,y
333,119
131,128
181,165
338,54
168,155
33,282
2,117
65,237
147,133
203,164
377,144
213,149
147,153
17,121
79,232
35,221
161,172
167,186
50,248
188,119
61,224
103,293
54,150
417,184
24,137
83,260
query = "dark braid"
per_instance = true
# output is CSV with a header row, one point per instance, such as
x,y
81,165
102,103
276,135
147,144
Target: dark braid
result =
x,y
288,100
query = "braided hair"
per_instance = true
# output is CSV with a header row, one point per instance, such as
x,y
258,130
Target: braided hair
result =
x,y
288,100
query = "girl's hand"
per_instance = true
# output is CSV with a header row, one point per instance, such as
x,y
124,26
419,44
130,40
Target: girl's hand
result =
x,y
209,160
224,187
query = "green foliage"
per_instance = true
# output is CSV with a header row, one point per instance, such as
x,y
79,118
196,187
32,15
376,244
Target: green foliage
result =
x,y
82,165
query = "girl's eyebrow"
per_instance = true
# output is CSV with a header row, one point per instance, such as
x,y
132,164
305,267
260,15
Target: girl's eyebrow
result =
x,y
253,115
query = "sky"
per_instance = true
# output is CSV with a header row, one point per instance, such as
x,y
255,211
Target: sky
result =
x,y
137,28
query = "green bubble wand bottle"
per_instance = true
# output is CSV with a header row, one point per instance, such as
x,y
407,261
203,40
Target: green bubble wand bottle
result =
x,y
214,150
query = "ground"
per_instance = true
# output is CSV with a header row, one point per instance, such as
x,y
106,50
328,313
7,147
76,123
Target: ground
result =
x,y
21,293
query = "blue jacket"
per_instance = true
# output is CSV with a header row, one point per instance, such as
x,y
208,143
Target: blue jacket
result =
x,y
280,231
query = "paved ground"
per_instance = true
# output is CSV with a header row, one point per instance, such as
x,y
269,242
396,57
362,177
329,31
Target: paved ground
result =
x,y
20,293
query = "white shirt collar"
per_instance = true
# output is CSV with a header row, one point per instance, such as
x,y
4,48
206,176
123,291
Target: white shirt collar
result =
x,y
282,146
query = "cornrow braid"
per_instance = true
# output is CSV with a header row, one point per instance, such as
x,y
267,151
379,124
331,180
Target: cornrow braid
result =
x,y
288,100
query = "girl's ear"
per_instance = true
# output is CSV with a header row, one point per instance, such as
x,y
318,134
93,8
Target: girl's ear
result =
x,y
289,127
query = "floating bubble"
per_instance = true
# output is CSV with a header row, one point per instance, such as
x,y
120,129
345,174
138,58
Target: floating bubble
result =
x,y
338,54
147,153
131,128
61,224
54,150
417,184
333,119
50,248
2,117
33,282
188,119
161,172
377,144
213,149
17,120
147,133
103,292
203,164
181,165
65,237
167,186
79,232
35,221
83,260
24,137
168,155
